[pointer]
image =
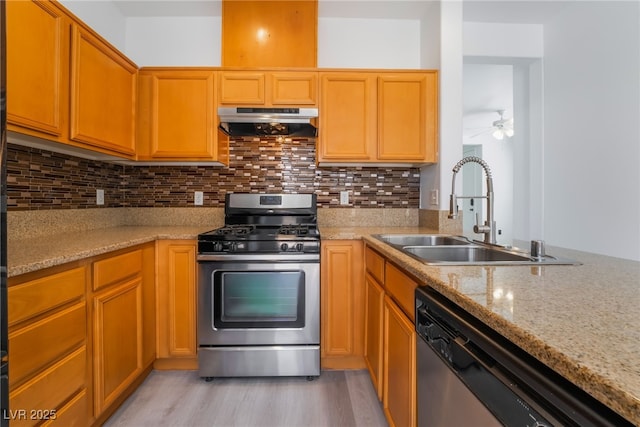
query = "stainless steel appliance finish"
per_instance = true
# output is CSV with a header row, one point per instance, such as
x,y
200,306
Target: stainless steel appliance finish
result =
x,y
467,374
250,121
259,289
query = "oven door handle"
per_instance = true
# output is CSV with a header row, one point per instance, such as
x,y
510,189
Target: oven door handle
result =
x,y
260,257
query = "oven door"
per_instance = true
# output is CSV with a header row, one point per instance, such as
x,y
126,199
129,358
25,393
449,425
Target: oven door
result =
x,y
247,300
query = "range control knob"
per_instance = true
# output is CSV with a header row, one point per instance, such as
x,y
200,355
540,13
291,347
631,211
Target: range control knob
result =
x,y
217,247
299,247
233,246
284,247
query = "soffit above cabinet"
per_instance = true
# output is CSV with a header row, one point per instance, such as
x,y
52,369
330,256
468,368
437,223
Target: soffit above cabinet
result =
x,y
269,33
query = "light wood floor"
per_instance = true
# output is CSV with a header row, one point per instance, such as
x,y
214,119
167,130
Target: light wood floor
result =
x,y
181,398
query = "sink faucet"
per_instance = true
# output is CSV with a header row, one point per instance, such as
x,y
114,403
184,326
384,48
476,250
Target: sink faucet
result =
x,y
489,226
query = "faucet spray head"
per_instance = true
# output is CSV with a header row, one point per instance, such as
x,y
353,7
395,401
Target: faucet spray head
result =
x,y
453,207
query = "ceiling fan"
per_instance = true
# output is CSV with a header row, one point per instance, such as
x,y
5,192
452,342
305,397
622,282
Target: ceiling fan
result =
x,y
499,129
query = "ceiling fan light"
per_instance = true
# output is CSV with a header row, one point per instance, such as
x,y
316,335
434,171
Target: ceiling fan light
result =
x,y
498,134
508,132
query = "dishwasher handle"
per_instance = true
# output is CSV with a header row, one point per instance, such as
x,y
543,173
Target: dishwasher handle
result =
x,y
438,334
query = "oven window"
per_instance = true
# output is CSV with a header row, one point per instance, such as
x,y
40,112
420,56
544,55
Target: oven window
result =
x,y
258,299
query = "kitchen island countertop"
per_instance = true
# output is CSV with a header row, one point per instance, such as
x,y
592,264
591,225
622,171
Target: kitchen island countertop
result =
x,y
581,321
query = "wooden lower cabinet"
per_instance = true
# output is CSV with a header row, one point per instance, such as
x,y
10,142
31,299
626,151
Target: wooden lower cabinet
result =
x,y
176,304
399,367
117,340
374,303
390,338
123,312
82,337
342,311
47,315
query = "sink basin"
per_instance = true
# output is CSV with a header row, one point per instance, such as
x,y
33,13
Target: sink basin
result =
x,y
422,239
445,249
463,254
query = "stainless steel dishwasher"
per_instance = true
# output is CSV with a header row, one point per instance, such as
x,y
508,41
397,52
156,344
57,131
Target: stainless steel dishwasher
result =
x,y
468,375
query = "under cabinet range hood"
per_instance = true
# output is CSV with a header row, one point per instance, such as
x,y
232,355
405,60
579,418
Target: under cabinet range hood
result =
x,y
257,121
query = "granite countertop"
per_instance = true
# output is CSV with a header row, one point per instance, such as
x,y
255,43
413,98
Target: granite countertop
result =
x,y
581,321
28,255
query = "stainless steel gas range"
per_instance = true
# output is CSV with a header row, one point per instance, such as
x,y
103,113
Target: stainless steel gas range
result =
x,y
259,289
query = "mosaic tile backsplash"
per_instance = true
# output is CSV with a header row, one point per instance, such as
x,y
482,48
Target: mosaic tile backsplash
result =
x,y
39,179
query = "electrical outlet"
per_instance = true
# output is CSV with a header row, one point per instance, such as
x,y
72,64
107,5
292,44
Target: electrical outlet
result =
x,y
434,196
198,198
344,197
99,197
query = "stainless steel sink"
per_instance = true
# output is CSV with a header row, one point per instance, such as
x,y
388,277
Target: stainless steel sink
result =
x,y
463,254
422,239
444,249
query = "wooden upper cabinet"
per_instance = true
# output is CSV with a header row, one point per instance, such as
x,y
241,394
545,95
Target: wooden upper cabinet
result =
x,y
103,95
294,88
259,33
268,88
177,117
347,117
378,117
407,117
242,88
37,68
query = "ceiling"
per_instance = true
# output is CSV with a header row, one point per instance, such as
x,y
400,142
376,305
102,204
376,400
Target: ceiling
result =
x,y
503,11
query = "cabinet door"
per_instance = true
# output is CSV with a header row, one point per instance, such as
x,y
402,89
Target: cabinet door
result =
x,y
374,303
342,312
117,341
103,95
399,375
242,88
294,88
176,303
407,117
275,33
177,115
37,67
347,117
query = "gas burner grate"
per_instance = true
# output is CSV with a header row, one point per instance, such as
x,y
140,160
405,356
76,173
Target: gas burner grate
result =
x,y
235,230
297,229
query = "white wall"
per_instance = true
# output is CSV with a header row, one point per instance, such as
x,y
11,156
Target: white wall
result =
x,y
439,176
174,41
430,49
592,137
503,40
102,16
368,43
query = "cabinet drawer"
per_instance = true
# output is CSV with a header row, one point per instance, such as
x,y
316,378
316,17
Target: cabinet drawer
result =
x,y
116,269
48,390
374,263
34,347
402,288
31,298
73,414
